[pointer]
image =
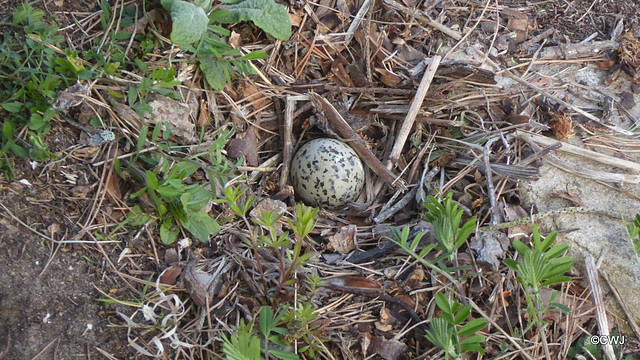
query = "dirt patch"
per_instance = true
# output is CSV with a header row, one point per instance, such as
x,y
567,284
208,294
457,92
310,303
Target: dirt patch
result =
x,y
48,298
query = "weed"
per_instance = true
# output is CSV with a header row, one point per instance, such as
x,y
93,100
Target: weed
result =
x,y
245,343
29,68
539,267
178,204
401,237
446,218
633,232
194,31
446,333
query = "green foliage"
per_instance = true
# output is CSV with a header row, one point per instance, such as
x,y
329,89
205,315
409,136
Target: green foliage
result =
x,y
446,218
447,333
175,200
401,237
266,14
220,62
538,267
189,21
305,220
232,197
29,68
246,344
634,237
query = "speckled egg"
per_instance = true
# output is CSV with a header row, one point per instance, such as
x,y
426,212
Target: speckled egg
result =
x,y
327,173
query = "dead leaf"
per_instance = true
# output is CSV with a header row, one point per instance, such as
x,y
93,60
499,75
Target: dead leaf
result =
x,y
196,283
490,246
176,114
244,145
388,349
361,282
276,206
170,275
566,194
339,74
70,97
128,115
203,116
515,212
344,240
112,188
253,95
386,320
388,78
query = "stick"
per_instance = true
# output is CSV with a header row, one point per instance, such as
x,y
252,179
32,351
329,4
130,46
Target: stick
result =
x,y
288,142
570,106
601,313
345,131
405,130
575,150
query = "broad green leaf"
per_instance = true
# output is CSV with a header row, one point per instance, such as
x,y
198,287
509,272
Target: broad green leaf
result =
x,y
189,22
214,73
12,107
473,326
462,314
201,225
284,355
152,180
556,280
565,309
167,235
266,14
443,303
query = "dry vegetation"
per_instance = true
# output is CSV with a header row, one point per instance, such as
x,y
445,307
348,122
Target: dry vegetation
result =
x,y
434,93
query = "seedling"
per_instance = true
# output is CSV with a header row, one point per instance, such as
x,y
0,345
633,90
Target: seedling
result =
x,y
539,267
446,218
446,333
245,344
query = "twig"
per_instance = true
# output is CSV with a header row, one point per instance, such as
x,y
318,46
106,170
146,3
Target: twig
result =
x,y
564,103
582,171
575,150
601,312
355,24
359,146
632,322
288,142
420,16
495,212
407,125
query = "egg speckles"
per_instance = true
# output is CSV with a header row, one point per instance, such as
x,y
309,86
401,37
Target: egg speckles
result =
x,y
327,173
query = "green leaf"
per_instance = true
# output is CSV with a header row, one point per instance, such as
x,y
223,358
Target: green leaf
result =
x,y
167,235
443,303
462,314
201,225
13,107
565,309
189,22
284,355
473,326
214,73
242,346
266,14
152,180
